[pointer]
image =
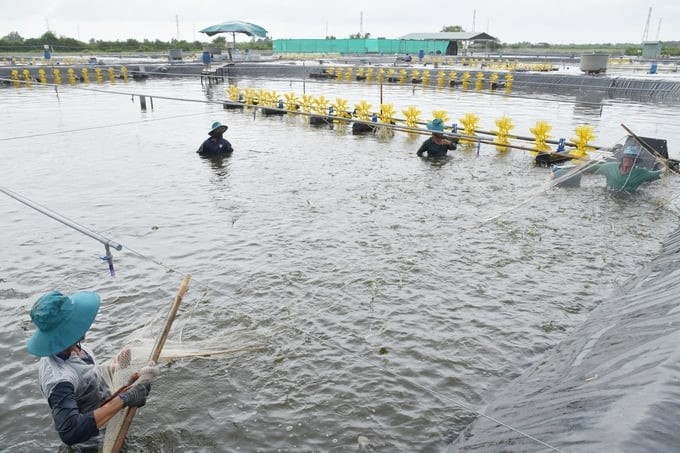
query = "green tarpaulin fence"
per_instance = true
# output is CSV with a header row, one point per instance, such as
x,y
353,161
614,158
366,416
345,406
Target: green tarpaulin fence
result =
x,y
359,46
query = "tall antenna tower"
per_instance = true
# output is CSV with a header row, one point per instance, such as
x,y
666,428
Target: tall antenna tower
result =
x,y
177,25
474,18
361,24
646,32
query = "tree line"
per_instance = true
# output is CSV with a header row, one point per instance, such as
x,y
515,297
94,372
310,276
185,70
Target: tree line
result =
x,y
13,42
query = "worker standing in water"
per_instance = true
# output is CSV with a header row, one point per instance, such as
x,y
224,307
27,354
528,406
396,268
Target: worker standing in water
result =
x,y
216,144
70,378
624,176
436,146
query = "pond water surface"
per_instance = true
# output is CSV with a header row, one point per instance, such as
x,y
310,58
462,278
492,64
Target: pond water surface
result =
x,y
393,296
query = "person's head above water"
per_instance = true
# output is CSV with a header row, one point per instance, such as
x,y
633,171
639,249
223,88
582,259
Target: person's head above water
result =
x,y
218,128
630,154
436,126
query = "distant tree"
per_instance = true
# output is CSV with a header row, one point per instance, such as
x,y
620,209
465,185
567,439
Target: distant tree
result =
x,y
330,37
255,44
49,38
132,44
452,28
671,48
359,36
13,37
14,43
220,41
57,44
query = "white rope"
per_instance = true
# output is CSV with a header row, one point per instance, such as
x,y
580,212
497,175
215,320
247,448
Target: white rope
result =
x,y
104,126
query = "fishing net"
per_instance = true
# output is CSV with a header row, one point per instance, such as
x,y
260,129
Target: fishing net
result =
x,y
132,362
119,373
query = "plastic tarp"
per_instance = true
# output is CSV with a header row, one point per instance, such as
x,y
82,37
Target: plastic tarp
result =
x,y
613,385
610,87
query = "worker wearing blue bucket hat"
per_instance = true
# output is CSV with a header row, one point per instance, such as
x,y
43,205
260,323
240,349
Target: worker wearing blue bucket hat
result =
x,y
216,144
70,378
625,176
436,146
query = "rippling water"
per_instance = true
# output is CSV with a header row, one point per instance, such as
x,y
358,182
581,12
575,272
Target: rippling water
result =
x,y
392,294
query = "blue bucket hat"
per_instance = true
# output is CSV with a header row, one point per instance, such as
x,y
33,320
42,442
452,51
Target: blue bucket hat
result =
x,y
436,125
61,321
631,151
216,125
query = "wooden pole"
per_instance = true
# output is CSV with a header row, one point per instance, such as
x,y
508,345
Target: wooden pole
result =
x,y
155,354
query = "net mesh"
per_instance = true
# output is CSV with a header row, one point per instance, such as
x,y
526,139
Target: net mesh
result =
x,y
117,373
135,355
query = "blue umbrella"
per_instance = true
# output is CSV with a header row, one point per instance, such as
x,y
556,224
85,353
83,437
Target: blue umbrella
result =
x,y
236,26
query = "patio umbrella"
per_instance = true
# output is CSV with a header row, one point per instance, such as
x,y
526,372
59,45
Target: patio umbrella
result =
x,y
233,27
236,26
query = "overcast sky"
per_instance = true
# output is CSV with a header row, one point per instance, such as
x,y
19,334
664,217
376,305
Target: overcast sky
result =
x,y
562,21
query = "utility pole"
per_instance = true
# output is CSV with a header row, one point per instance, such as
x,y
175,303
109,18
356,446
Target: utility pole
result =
x,y
361,24
646,32
474,18
177,25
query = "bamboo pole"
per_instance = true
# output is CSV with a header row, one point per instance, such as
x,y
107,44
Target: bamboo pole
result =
x,y
155,354
473,139
413,130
